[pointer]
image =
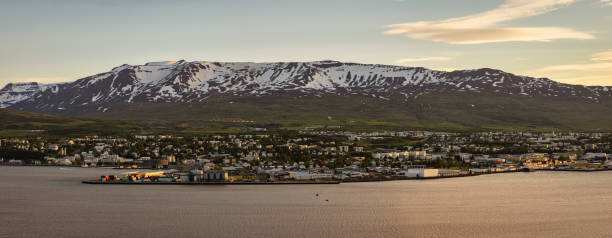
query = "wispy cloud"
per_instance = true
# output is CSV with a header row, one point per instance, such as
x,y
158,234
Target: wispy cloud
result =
x,y
592,67
483,27
602,56
423,59
600,62
597,71
594,80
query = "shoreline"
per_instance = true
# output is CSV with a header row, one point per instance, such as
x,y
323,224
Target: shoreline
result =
x,y
328,182
308,182
211,183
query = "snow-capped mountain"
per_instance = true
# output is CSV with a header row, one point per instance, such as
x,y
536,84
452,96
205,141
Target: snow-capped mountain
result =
x,y
13,93
198,81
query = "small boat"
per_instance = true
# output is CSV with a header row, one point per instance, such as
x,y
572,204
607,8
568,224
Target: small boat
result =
x,y
527,169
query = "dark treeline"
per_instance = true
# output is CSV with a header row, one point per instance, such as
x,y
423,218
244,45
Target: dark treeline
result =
x,y
23,155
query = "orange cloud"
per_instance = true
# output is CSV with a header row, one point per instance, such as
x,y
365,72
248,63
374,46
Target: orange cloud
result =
x,y
603,56
482,27
601,62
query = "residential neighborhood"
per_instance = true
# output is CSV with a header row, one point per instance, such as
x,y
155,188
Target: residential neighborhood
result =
x,y
317,155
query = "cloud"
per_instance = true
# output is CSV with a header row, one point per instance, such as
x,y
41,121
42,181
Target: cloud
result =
x,y
594,80
602,56
600,62
595,72
483,27
409,60
592,67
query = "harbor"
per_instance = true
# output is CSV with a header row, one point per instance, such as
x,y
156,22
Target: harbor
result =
x,y
199,177
213,183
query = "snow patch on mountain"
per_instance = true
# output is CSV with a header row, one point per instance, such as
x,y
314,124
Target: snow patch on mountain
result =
x,y
181,81
13,93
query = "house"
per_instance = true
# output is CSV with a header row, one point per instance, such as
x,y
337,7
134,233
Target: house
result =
x,y
53,147
418,154
64,162
385,153
15,162
170,158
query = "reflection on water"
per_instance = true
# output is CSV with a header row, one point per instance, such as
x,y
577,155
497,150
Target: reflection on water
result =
x,y
51,202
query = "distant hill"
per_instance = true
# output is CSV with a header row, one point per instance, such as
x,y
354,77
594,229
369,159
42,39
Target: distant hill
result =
x,y
15,123
295,94
15,92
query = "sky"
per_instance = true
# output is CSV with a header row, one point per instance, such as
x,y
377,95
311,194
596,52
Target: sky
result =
x,y
49,41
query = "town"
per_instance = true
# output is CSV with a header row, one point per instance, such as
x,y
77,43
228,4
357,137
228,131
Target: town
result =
x,y
314,155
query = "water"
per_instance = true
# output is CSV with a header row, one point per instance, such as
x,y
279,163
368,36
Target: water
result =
x,y
51,202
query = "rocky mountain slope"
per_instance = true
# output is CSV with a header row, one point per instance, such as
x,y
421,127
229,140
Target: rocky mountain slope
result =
x,y
208,83
13,93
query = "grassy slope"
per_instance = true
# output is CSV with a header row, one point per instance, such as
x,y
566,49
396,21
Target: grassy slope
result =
x,y
448,112
520,112
20,123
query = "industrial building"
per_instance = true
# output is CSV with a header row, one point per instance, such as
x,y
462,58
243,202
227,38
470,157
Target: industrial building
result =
x,y
421,173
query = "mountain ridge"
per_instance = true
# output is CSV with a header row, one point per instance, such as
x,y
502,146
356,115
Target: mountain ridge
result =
x,y
182,81
126,89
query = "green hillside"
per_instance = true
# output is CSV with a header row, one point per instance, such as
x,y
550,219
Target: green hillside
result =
x,y
448,112
19,123
457,111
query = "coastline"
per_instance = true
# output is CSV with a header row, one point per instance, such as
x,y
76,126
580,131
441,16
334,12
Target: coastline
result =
x,y
329,182
306,182
213,183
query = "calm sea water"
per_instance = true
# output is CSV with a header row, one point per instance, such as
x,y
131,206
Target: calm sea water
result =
x,y
51,202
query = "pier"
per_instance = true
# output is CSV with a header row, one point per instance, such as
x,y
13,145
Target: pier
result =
x,y
211,183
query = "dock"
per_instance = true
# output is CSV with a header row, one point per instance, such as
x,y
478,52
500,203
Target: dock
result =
x,y
212,183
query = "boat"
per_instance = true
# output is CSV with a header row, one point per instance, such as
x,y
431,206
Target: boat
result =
x,y
527,169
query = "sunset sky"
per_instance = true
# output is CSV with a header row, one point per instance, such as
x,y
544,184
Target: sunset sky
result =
x,y
62,40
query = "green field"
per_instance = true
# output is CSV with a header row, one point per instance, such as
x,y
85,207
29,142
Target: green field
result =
x,y
20,123
451,112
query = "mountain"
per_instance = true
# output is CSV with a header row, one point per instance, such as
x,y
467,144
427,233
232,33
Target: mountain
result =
x,y
290,92
13,93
